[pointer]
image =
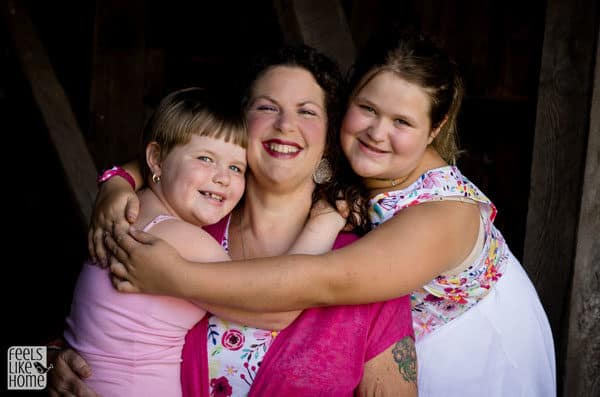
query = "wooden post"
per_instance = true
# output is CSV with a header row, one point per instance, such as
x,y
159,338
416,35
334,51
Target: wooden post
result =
x,y
55,109
320,24
558,160
582,376
117,90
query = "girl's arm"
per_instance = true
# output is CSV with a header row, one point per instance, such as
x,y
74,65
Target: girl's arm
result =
x,y
391,373
117,206
318,236
320,231
398,257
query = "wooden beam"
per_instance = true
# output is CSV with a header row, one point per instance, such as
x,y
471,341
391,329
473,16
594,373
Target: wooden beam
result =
x,y
55,109
117,88
558,159
320,24
582,376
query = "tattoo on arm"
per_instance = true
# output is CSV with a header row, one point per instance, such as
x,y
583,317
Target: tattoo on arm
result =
x,y
405,356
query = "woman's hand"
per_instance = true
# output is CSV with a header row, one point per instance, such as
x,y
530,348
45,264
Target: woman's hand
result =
x,y
116,207
145,264
66,378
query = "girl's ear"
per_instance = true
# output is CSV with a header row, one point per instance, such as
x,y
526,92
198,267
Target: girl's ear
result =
x,y
153,157
434,132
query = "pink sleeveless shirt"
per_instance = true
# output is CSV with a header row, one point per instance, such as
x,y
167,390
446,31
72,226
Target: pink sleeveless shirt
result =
x,y
132,342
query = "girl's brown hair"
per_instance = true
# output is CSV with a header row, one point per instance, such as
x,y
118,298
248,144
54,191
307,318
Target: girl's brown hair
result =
x,y
193,111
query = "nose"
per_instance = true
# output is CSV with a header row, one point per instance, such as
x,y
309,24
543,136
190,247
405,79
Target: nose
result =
x,y
221,176
285,122
376,131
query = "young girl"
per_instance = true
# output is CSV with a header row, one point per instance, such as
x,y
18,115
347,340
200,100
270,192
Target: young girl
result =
x,y
196,160
480,326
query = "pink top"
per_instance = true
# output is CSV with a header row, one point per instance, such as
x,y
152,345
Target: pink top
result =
x,y
322,352
132,342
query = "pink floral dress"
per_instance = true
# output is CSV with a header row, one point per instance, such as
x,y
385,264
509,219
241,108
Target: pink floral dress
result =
x,y
235,352
447,297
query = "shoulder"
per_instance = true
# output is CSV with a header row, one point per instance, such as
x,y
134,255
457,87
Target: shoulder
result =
x,y
192,241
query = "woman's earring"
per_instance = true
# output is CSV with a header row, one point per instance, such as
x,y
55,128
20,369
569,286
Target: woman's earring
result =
x,y
323,172
155,178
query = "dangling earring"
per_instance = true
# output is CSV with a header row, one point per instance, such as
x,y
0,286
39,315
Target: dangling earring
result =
x,y
323,172
155,178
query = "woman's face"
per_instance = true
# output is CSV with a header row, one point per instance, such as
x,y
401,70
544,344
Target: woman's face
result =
x,y
287,124
387,127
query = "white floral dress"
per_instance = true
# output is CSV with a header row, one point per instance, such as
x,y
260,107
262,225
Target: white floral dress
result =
x,y
482,331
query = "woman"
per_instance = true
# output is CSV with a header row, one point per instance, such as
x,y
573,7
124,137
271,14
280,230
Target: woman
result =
x,y
291,113
479,324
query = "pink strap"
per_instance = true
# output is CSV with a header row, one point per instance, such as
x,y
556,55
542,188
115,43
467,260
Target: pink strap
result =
x,y
158,219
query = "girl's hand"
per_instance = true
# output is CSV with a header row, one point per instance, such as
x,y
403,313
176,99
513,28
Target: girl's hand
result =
x,y
116,207
66,378
322,213
145,264
320,231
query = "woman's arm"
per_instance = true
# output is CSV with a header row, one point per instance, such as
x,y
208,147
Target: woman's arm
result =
x,y
398,257
116,207
392,373
66,377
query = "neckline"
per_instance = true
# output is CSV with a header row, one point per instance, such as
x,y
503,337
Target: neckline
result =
x,y
412,185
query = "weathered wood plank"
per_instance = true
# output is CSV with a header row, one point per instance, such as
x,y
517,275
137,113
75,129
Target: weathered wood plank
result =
x,y
55,109
117,88
558,158
320,24
582,376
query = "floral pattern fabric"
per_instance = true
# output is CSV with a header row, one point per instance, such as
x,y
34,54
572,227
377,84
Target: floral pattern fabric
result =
x,y
447,297
235,352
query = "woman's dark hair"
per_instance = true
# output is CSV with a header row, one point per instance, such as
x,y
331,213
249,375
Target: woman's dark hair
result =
x,y
344,184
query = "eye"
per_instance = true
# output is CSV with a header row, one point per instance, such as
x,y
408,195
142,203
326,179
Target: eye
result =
x,y
367,108
266,108
236,169
401,122
206,159
307,112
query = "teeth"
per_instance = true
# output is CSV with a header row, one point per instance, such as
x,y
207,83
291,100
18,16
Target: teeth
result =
x,y
276,147
212,196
